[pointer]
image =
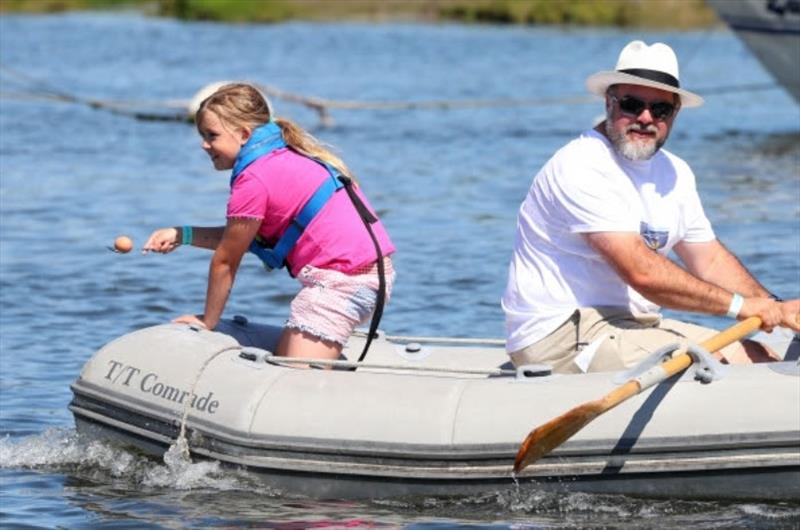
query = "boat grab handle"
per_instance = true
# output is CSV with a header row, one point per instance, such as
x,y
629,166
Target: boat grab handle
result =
x,y
257,355
526,371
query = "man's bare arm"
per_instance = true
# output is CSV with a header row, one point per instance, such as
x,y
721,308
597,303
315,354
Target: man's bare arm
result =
x,y
711,261
665,283
657,278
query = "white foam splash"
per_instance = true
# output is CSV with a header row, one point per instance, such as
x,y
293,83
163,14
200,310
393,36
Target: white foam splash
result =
x,y
57,449
53,447
771,511
179,472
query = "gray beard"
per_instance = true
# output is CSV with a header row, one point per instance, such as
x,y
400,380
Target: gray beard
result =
x,y
632,150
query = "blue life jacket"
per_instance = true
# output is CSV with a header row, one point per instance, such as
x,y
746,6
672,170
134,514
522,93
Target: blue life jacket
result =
x,y
263,141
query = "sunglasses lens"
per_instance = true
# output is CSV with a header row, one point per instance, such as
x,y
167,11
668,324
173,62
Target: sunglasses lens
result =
x,y
631,105
662,111
634,106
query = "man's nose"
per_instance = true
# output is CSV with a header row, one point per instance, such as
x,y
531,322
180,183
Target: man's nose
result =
x,y
645,116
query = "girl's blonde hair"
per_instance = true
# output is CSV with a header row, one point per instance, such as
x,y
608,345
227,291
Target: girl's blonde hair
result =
x,y
240,105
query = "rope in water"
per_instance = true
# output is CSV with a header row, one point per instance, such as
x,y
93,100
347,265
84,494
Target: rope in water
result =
x,y
323,106
36,89
179,110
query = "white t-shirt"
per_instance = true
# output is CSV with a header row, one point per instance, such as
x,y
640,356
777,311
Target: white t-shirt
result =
x,y
587,187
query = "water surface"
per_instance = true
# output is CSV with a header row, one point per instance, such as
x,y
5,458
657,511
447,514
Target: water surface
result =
x,y
447,183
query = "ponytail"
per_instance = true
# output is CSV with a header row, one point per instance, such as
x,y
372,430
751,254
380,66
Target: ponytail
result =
x,y
300,140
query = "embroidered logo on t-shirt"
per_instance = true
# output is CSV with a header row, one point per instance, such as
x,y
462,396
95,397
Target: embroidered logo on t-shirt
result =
x,y
654,239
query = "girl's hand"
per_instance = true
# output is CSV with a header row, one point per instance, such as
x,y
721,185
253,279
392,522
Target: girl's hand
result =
x,y
163,240
190,319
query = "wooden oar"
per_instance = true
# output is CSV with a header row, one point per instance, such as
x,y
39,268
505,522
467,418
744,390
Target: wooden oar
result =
x,y
555,432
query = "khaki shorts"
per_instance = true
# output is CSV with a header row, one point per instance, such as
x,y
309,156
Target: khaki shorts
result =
x,y
623,340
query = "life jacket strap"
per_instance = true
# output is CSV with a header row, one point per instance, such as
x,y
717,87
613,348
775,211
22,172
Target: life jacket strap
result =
x,y
275,257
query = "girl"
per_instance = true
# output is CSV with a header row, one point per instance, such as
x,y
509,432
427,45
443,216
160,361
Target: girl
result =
x,y
292,203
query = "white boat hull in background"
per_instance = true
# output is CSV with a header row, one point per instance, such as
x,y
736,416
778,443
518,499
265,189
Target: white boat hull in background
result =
x,y
771,30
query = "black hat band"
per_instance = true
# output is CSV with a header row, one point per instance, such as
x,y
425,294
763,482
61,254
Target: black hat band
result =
x,y
653,75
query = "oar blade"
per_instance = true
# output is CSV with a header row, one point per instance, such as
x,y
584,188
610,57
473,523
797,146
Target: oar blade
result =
x,y
555,432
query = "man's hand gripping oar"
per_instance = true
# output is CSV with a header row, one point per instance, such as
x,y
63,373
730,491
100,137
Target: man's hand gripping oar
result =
x,y
555,432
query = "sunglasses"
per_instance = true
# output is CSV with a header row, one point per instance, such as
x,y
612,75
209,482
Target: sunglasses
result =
x,y
632,106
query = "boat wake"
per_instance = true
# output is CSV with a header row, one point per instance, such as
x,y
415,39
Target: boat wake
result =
x,y
531,508
66,451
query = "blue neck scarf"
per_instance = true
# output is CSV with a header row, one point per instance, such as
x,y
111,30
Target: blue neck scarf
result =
x,y
264,140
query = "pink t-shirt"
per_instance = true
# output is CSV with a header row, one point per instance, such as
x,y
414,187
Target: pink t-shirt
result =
x,y
275,188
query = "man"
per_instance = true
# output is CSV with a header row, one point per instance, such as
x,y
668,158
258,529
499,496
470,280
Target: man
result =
x,y
589,271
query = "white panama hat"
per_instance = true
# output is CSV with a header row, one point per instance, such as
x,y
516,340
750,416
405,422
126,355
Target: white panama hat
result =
x,y
639,64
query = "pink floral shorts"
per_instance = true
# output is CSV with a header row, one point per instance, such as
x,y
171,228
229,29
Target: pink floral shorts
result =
x,y
331,303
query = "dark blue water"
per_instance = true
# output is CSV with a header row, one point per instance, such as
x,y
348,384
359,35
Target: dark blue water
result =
x,y
448,183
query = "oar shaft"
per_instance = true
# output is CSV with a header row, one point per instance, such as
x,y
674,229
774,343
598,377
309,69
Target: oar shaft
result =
x,y
732,334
